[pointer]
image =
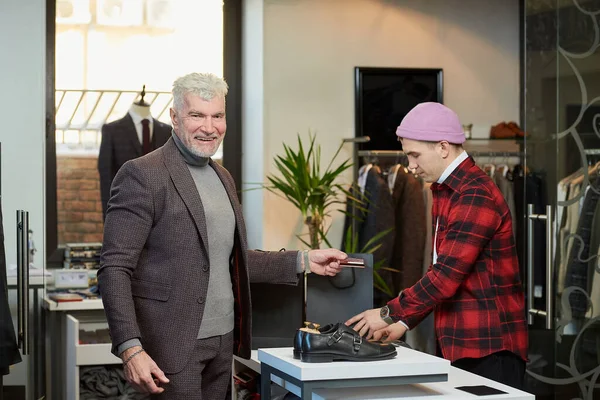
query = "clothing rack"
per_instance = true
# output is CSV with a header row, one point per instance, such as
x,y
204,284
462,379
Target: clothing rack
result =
x,y
399,153
496,153
355,152
362,139
381,153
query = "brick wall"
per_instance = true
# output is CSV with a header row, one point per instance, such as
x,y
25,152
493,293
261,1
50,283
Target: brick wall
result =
x,y
78,200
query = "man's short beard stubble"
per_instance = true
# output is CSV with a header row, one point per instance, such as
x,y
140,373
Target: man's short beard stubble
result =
x,y
188,141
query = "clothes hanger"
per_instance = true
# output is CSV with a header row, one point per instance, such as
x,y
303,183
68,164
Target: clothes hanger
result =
x,y
579,180
503,168
489,169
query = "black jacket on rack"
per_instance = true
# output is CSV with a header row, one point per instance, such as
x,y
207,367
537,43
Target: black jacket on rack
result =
x,y
577,269
9,350
378,218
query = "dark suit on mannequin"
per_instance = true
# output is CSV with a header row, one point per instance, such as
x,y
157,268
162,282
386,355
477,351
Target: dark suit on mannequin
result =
x,y
120,143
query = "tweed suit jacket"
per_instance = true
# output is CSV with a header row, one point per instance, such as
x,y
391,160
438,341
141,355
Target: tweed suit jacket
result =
x,y
154,270
120,144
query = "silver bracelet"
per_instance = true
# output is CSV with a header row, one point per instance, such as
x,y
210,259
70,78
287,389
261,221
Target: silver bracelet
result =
x,y
135,353
306,262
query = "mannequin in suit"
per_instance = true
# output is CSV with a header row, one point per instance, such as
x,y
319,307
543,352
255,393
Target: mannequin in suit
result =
x,y
123,140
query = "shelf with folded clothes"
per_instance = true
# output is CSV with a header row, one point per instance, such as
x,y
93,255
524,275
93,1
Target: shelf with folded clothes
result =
x,y
87,345
106,382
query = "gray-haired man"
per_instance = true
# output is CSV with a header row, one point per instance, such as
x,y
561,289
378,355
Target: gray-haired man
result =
x,y
175,265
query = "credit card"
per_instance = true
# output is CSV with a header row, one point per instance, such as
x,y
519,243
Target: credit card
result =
x,y
353,262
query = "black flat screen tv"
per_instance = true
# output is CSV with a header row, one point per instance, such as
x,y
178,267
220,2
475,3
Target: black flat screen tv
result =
x,y
383,96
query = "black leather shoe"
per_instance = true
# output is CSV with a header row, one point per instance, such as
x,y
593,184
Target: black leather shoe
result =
x,y
342,343
300,335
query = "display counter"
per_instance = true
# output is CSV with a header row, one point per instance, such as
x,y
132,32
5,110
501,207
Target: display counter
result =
x,y
408,365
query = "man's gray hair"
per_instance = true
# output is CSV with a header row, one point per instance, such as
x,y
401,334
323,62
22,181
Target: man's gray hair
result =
x,y
202,84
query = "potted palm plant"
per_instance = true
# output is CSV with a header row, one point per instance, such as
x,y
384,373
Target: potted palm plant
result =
x,y
313,191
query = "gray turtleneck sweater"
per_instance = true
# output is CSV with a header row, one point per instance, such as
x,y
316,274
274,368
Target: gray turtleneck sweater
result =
x,y
218,318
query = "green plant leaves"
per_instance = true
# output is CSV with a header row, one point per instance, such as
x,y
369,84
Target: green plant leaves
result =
x,y
316,192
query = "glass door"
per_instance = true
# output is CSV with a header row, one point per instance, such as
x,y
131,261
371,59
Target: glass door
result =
x,y
562,188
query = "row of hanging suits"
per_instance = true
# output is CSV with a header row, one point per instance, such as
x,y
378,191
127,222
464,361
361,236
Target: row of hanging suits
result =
x,y
395,199
576,243
577,251
394,191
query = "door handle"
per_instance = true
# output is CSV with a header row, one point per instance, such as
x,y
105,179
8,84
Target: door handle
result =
x,y
548,314
23,280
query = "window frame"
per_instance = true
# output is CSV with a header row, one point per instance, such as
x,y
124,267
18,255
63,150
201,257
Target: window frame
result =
x,y
232,146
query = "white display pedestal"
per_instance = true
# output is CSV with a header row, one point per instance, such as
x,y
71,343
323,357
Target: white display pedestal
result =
x,y
408,367
406,362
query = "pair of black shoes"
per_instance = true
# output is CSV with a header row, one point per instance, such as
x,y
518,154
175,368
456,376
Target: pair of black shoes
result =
x,y
338,342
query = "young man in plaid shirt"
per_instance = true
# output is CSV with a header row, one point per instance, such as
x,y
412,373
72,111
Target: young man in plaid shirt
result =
x,y
473,284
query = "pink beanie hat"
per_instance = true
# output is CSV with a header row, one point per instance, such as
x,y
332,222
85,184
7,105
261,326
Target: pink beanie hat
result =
x,y
431,122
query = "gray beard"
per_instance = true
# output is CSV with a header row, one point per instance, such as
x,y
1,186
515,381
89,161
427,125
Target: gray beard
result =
x,y
199,153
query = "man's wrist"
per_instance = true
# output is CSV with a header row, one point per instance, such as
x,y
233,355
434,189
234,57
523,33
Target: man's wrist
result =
x,y
384,313
135,342
130,354
303,262
306,262
127,353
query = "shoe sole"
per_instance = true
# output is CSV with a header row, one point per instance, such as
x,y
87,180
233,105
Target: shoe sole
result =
x,y
324,358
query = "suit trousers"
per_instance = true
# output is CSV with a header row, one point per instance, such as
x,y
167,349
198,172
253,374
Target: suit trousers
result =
x,y
503,366
207,376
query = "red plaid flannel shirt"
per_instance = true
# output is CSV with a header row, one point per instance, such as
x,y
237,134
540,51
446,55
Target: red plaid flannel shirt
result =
x,y
474,287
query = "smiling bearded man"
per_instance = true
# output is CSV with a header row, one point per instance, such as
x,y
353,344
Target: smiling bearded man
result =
x,y
175,266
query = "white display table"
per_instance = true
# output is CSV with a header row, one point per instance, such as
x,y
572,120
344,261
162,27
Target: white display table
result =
x,y
408,367
278,365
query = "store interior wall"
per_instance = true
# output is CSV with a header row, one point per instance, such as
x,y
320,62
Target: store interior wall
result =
x,y
253,155
22,110
310,49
